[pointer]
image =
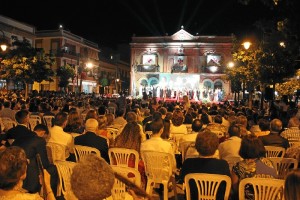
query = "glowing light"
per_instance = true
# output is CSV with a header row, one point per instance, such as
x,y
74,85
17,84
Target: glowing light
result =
x,y
230,65
247,45
213,68
282,44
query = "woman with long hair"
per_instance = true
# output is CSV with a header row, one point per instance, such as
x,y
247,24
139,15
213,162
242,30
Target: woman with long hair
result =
x,y
74,123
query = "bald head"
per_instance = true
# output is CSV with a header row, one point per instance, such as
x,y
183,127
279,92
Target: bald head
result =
x,y
275,125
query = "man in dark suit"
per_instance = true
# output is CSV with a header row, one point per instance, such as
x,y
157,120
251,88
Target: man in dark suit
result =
x,y
33,145
274,138
91,139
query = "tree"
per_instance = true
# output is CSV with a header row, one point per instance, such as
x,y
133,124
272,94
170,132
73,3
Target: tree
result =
x,y
26,64
246,67
64,73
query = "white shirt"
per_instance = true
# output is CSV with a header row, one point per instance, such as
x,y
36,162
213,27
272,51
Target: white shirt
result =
x,y
230,147
57,135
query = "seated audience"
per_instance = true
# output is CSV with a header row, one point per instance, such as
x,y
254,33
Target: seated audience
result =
x,y
13,165
92,179
274,138
254,164
91,139
292,185
230,147
206,144
74,123
58,135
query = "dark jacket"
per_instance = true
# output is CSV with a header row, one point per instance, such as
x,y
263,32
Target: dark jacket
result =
x,y
274,139
92,140
33,145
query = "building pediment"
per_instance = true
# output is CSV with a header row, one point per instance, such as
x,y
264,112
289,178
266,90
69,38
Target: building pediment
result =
x,y
182,35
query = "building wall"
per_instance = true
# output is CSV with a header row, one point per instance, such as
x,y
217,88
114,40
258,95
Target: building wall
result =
x,y
180,57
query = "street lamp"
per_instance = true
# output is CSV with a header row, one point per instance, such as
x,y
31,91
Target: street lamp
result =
x,y
88,65
3,42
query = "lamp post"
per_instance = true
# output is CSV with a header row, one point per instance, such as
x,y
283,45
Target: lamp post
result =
x,y
3,42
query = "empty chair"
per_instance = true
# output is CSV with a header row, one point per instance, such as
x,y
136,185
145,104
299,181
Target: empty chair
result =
x,y
284,165
263,188
81,151
159,169
56,152
124,157
119,191
48,120
64,169
209,186
273,151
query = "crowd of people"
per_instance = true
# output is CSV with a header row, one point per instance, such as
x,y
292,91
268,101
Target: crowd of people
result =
x,y
218,132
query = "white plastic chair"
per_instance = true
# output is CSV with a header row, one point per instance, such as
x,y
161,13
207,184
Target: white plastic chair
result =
x,y
207,185
159,170
56,152
8,123
294,143
273,151
183,147
119,189
284,165
123,156
48,120
264,188
34,120
64,169
113,132
81,151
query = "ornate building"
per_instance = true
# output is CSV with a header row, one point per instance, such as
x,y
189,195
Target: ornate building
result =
x,y
181,64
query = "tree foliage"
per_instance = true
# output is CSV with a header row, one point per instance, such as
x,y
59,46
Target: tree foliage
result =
x,y
65,72
26,64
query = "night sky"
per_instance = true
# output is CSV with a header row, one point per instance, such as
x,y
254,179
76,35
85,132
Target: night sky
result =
x,y
111,22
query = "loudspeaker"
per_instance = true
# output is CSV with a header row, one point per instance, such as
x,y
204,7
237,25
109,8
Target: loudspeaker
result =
x,y
269,93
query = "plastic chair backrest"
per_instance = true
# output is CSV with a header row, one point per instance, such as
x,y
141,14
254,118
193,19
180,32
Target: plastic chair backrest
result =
x,y
207,185
273,151
81,151
8,123
123,157
183,147
284,165
119,189
56,152
158,165
48,120
264,188
113,132
159,169
64,169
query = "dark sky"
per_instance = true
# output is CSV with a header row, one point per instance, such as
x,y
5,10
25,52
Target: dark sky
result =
x,y
110,22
